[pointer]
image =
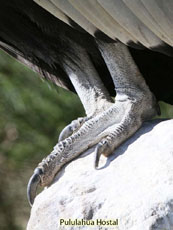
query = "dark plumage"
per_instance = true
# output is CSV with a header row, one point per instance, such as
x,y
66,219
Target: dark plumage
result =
x,y
28,32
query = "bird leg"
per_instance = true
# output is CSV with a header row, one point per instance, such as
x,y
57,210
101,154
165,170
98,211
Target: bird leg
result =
x,y
95,99
89,87
110,123
131,92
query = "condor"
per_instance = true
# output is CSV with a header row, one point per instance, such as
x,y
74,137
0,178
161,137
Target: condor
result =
x,y
116,55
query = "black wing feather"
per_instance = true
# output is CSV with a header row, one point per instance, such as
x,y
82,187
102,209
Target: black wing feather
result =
x,y
35,37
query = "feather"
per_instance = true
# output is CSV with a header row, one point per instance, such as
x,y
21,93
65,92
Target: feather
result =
x,y
162,14
75,15
94,12
43,42
138,8
51,8
123,15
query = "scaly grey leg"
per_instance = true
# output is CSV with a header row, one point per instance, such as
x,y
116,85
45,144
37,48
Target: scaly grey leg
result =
x,y
108,129
94,96
95,99
132,91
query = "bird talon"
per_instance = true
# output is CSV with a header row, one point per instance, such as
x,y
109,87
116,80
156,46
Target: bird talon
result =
x,y
98,151
33,183
71,128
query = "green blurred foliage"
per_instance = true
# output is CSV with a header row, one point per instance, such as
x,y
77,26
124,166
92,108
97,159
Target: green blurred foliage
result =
x,y
32,114
166,110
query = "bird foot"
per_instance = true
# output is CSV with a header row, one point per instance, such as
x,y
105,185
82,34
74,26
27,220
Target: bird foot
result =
x,y
107,129
75,125
72,128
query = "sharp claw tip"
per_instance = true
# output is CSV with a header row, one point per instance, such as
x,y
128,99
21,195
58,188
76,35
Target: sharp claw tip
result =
x,y
60,139
96,165
97,158
32,185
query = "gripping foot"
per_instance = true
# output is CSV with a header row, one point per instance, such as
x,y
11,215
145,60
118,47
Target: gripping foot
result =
x,y
107,129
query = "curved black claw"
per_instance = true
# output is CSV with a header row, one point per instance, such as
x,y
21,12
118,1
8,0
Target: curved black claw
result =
x,y
33,184
101,148
71,128
66,132
98,153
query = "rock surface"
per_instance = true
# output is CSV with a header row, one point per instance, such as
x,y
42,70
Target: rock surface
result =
x,y
135,186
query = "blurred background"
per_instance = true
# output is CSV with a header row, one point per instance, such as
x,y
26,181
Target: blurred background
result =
x,y
32,114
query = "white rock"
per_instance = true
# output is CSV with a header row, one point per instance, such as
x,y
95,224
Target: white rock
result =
x,y
135,186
